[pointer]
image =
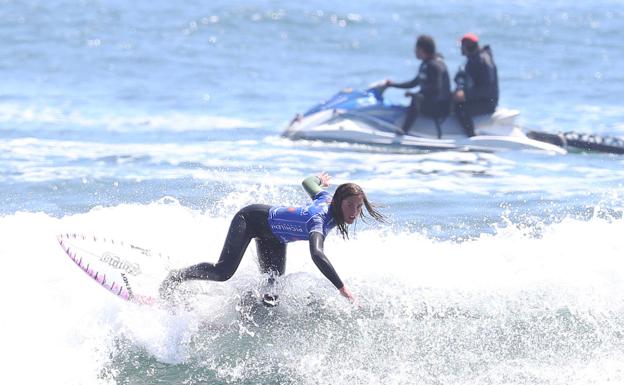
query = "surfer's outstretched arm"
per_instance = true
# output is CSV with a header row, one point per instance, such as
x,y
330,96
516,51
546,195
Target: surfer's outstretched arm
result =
x,y
315,184
320,260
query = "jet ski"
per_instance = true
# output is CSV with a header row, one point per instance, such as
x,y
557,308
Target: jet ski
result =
x,y
365,117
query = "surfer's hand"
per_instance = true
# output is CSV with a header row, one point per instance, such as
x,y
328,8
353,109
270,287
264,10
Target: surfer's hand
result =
x,y
347,294
324,178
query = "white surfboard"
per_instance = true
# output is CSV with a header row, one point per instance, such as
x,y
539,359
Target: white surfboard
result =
x,y
131,272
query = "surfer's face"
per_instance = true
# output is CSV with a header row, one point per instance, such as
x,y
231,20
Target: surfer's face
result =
x,y
351,208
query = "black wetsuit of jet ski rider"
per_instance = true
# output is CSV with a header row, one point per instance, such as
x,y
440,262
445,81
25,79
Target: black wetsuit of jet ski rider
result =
x,y
433,99
478,82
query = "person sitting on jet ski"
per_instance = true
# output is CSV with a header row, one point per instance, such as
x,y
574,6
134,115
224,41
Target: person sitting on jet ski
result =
x,y
477,84
434,96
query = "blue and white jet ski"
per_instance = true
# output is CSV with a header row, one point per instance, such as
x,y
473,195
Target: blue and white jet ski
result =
x,y
364,117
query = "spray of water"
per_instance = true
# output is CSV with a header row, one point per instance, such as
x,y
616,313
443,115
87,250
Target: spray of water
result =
x,y
503,308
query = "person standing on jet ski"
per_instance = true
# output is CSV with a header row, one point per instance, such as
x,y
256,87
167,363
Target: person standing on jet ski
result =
x,y
477,84
434,97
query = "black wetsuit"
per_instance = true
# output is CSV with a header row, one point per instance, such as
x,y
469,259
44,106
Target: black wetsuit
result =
x,y
479,81
434,97
249,223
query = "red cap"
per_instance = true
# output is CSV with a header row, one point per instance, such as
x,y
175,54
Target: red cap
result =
x,y
470,37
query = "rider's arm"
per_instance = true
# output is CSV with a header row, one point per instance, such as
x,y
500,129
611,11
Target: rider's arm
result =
x,y
320,259
409,84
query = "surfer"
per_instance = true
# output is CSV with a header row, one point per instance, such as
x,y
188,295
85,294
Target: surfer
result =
x,y
273,227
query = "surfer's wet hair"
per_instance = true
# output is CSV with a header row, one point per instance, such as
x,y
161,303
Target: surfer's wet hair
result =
x,y
343,192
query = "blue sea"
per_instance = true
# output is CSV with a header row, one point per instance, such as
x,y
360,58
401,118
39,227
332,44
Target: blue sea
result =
x,y
155,121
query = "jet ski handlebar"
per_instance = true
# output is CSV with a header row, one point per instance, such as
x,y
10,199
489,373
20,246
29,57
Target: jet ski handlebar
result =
x,y
378,88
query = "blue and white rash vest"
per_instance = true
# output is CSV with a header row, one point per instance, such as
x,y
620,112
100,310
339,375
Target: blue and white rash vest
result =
x,y
296,223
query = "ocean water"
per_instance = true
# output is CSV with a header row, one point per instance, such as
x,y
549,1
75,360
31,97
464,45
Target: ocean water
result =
x,y
156,121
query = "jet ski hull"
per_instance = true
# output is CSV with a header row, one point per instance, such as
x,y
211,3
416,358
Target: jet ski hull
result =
x,y
364,118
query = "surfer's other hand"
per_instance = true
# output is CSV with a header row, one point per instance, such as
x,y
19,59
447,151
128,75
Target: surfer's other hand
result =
x,y
324,179
347,294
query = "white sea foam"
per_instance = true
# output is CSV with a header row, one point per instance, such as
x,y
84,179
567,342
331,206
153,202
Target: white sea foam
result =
x,y
38,160
50,117
406,284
